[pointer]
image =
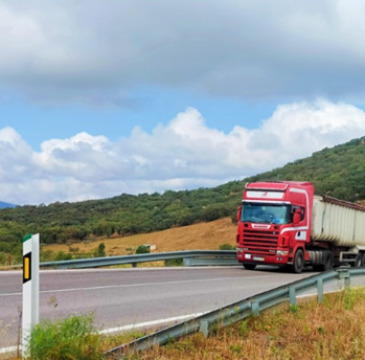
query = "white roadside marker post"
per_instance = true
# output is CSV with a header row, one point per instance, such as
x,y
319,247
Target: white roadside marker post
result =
x,y
30,314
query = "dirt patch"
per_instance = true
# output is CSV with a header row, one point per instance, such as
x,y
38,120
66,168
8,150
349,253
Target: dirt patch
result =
x,y
202,236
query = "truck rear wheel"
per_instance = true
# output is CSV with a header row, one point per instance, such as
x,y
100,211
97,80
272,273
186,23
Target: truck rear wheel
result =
x,y
249,266
328,261
363,259
298,263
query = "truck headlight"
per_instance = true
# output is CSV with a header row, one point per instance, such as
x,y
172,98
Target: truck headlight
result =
x,y
282,252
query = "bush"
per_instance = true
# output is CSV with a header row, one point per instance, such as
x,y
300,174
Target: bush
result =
x,y
142,249
100,251
226,247
61,255
234,217
3,258
72,338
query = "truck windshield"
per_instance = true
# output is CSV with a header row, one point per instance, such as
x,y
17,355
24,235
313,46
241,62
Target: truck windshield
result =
x,y
265,213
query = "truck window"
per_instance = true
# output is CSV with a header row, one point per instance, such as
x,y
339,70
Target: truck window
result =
x,y
302,212
265,213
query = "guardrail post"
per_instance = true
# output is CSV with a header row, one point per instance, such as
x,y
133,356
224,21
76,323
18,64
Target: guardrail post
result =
x,y
187,261
320,289
204,327
292,295
345,275
347,280
255,307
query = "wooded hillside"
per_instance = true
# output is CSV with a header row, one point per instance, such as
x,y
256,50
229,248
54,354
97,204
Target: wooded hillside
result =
x,y
339,172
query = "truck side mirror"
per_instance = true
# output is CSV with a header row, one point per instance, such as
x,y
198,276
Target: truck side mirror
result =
x,y
296,216
239,212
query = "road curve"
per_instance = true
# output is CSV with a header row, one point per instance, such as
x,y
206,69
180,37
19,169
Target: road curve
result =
x,y
120,297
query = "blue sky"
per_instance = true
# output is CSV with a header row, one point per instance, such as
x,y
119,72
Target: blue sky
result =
x,y
102,98
37,123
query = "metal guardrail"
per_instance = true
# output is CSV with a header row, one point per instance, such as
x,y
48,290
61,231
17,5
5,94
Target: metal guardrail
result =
x,y
191,258
238,310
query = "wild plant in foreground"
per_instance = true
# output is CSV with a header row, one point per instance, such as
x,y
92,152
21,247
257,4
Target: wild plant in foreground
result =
x,y
72,338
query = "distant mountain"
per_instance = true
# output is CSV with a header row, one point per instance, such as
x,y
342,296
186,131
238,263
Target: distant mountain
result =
x,y
4,205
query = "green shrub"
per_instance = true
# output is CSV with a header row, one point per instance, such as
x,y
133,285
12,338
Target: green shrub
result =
x,y
142,249
3,258
71,338
100,251
226,247
61,255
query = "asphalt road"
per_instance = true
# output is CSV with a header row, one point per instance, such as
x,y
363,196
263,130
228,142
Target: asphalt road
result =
x,y
121,297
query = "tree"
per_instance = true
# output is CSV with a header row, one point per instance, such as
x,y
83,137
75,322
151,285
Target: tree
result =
x,y
143,249
100,251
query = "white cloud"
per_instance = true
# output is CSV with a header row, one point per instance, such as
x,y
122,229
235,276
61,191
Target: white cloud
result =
x,y
185,153
16,157
86,52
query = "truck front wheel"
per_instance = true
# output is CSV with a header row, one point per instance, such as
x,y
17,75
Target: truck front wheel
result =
x,y
298,263
249,266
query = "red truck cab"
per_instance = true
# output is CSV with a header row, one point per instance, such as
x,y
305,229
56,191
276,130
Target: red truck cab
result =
x,y
274,224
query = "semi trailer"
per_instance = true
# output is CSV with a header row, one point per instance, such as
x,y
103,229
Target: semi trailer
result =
x,y
284,223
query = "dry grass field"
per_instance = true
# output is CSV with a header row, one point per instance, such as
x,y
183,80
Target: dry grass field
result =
x,y
333,330
202,236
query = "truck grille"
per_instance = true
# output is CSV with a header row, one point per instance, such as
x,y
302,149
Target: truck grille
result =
x,y
260,241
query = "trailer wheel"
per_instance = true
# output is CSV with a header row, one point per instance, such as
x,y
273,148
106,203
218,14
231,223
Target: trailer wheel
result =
x,y
298,264
363,259
249,266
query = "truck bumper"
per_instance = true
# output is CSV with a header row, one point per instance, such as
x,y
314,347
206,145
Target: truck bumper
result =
x,y
248,257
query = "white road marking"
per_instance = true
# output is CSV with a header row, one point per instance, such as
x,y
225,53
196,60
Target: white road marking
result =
x,y
134,285
8,349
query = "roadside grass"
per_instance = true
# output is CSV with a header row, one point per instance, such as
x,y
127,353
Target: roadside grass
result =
x,y
154,264
331,330
71,338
